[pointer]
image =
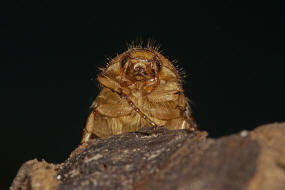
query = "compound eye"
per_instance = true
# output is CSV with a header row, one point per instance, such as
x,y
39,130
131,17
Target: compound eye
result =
x,y
158,65
124,61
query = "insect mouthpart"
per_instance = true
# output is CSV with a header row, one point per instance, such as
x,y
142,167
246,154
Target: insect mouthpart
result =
x,y
139,69
140,74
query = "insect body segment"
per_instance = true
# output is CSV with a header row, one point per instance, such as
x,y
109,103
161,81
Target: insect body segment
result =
x,y
140,88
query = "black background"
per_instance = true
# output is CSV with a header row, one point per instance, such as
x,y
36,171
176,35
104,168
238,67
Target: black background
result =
x,y
232,51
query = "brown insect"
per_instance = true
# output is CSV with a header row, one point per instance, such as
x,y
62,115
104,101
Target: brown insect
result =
x,y
140,88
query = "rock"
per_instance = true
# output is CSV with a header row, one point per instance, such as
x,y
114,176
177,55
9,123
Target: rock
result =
x,y
35,175
163,159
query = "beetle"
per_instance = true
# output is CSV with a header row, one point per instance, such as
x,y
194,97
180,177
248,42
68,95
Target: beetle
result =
x,y
139,88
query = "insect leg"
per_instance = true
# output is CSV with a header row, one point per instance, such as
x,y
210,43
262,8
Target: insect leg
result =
x,y
87,131
153,124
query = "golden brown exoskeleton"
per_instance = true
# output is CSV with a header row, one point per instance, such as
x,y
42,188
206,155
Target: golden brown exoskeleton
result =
x,y
140,88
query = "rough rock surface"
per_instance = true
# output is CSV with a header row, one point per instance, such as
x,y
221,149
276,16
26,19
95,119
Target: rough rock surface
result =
x,y
162,159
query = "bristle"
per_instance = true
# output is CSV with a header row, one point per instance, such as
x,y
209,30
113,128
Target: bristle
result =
x,y
179,68
109,59
135,44
101,68
152,44
145,44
